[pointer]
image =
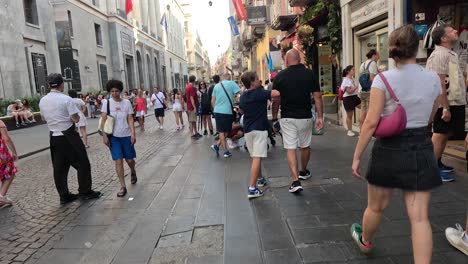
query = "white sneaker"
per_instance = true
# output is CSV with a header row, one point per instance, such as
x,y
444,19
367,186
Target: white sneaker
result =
x,y
455,238
351,133
160,127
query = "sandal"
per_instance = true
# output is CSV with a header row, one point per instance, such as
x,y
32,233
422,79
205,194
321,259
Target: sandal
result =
x,y
122,192
134,178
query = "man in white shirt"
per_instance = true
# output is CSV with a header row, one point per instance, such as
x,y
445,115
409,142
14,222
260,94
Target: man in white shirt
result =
x,y
158,100
66,147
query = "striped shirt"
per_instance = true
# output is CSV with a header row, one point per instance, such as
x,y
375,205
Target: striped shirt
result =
x,y
444,61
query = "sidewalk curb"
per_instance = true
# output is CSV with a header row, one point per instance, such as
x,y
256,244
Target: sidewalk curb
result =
x,y
46,148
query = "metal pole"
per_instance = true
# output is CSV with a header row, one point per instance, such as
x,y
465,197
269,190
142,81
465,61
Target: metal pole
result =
x,y
3,86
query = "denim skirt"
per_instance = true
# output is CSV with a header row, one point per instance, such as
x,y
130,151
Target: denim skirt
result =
x,y
404,162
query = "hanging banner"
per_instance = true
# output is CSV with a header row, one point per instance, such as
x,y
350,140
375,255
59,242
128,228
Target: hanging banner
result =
x,y
233,24
240,9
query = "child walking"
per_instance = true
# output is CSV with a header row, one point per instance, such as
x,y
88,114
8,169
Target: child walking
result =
x,y
7,166
253,103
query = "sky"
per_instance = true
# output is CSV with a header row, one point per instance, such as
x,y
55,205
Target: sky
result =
x,y
212,26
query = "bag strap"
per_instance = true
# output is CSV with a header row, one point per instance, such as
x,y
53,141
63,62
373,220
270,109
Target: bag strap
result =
x,y
368,65
229,98
389,88
158,99
108,107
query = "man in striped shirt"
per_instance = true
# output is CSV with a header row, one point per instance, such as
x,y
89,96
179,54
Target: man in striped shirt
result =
x,y
450,117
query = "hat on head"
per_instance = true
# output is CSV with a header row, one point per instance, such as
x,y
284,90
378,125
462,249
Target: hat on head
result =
x,y
54,80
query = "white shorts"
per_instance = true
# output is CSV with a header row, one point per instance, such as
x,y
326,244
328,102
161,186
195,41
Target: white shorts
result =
x,y
140,113
297,133
256,142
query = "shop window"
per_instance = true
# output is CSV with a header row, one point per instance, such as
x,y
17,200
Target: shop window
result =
x,y
104,77
40,72
97,30
76,81
70,23
30,12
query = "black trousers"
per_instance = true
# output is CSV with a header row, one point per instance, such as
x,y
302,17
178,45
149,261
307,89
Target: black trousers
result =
x,y
68,150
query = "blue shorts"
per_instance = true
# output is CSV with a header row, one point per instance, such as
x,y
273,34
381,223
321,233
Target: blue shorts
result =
x,y
122,148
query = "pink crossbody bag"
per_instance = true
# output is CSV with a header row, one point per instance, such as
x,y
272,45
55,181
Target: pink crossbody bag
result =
x,y
391,125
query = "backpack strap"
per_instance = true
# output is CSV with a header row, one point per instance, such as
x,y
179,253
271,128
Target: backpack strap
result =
x,y
389,88
368,65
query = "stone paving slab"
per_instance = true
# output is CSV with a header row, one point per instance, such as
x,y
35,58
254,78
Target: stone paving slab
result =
x,y
319,218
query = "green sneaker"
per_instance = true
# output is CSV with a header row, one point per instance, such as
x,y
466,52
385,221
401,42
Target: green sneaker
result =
x,y
356,233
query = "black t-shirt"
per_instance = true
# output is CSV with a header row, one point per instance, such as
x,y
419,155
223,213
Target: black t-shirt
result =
x,y
295,85
254,105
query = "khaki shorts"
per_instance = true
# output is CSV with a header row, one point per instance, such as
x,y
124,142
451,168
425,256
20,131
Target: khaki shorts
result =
x,y
297,133
365,96
256,142
192,116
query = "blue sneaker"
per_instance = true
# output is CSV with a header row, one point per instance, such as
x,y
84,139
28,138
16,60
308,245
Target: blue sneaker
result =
x,y
446,177
227,154
215,148
254,193
445,168
261,182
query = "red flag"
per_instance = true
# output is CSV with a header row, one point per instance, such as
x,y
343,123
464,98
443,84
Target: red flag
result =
x,y
128,6
240,10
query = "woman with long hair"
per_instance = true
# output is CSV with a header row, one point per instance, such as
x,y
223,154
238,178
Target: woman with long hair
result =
x,y
177,103
80,104
140,109
205,102
350,97
28,112
405,161
122,141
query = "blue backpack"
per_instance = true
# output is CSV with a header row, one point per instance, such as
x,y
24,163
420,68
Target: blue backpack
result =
x,y
364,79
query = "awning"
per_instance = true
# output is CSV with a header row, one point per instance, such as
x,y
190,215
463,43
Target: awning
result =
x,y
284,23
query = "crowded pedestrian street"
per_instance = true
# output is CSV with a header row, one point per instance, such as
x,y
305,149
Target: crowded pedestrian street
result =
x,y
233,132
191,207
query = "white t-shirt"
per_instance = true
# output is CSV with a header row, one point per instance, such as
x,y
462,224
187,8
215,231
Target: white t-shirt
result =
x,y
57,108
348,82
415,87
156,102
120,111
79,103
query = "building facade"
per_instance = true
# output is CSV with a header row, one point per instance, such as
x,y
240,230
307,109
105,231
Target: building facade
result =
x,y
197,55
28,49
90,42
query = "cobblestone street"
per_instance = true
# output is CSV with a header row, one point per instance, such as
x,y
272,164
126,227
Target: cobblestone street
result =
x,y
37,221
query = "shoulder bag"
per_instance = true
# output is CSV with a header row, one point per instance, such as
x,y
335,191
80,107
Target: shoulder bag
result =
x,y
163,104
391,125
230,101
109,125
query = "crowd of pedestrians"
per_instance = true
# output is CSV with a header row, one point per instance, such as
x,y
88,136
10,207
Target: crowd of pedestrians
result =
x,y
409,159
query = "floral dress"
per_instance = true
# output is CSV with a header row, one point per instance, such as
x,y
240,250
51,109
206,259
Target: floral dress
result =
x,y
7,165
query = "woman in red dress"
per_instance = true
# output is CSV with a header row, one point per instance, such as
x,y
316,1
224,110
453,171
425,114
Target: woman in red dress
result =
x,y
7,166
140,109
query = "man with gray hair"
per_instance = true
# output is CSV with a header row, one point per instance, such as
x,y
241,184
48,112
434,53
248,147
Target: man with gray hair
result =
x,y
449,119
66,147
222,100
297,86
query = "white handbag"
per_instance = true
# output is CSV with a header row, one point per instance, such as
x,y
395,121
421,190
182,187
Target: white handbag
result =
x,y
109,125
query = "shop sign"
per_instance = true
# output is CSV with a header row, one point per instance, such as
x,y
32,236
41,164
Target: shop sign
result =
x,y
257,15
368,12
